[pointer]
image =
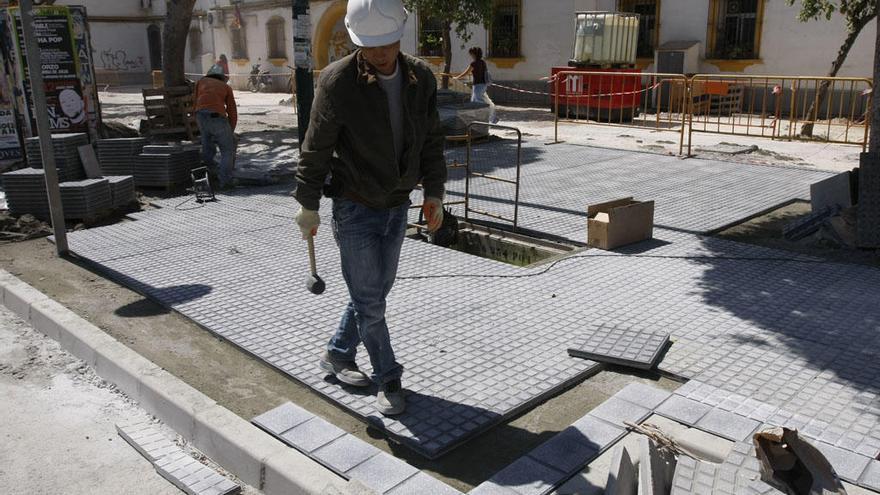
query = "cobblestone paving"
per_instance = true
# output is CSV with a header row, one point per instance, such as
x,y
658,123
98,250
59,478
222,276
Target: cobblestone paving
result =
x,y
492,338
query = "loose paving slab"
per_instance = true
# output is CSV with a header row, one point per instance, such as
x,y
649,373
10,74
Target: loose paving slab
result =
x,y
347,455
637,349
175,465
494,342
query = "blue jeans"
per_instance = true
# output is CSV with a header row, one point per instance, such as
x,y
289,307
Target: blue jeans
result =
x,y
479,95
369,244
216,132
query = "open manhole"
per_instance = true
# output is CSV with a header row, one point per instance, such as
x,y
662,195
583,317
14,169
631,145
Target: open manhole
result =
x,y
501,245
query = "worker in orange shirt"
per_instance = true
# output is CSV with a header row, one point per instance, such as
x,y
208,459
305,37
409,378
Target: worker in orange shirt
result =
x,y
216,115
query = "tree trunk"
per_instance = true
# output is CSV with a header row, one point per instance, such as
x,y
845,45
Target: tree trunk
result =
x,y
816,105
447,52
177,20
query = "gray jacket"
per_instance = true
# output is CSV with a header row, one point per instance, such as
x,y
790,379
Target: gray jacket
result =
x,y
350,137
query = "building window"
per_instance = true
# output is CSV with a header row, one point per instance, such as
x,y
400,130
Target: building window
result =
x,y
734,29
195,44
239,43
430,37
649,23
505,33
277,42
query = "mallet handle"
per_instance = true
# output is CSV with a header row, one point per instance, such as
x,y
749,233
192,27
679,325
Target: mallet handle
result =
x,y
312,263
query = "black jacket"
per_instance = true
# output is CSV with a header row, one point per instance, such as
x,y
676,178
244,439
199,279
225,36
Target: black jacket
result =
x,y
350,136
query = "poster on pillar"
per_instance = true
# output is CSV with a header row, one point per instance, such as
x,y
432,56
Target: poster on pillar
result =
x,y
10,145
71,104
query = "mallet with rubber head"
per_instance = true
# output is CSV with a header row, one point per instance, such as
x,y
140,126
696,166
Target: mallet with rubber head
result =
x,y
314,282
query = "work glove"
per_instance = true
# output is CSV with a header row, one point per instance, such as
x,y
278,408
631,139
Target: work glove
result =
x,y
433,210
308,221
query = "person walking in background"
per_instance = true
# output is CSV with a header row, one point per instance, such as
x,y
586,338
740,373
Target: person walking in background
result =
x,y
217,116
481,79
224,63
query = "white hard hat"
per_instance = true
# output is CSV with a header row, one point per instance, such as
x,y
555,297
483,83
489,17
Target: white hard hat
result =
x,y
373,23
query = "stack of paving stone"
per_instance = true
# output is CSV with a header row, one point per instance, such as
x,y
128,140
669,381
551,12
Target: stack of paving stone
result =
x,y
86,198
165,166
26,192
117,156
67,160
121,189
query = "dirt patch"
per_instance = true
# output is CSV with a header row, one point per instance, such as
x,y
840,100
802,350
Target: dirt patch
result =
x,y
766,230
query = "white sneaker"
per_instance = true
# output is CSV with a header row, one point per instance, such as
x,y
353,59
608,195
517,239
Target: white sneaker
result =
x,y
390,399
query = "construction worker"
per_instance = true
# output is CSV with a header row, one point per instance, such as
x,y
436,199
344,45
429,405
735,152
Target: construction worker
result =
x,y
216,115
375,130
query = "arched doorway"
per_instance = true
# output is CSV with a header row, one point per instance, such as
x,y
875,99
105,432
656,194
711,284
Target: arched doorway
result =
x,y
331,38
154,40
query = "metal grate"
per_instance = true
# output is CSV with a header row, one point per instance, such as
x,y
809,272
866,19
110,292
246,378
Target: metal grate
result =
x,y
277,42
649,12
430,37
736,24
505,32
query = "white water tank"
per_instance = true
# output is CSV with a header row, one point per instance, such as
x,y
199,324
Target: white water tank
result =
x,y
603,38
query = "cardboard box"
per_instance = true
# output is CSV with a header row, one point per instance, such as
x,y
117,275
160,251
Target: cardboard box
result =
x,y
619,222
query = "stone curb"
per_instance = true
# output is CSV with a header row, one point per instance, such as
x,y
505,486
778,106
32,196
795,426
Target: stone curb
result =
x,y
254,456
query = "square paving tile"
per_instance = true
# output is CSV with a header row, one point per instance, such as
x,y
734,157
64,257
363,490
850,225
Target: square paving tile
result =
x,y
684,410
634,348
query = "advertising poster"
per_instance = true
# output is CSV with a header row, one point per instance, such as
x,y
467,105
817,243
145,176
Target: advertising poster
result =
x,y
65,98
10,145
86,68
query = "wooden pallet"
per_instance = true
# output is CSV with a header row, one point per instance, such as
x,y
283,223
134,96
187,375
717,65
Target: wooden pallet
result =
x,y
170,113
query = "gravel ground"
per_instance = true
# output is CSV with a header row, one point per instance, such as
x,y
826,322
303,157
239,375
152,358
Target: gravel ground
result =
x,y
59,433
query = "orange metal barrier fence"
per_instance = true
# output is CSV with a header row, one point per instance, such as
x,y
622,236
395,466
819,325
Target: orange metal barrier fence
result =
x,y
817,109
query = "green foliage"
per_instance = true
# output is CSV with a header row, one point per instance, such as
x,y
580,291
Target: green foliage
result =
x,y
856,12
455,13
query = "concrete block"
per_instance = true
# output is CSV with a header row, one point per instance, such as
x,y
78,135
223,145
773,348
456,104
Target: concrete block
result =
x,y
527,476
681,409
491,488
618,412
122,366
173,401
81,338
870,477
423,484
623,476
282,418
233,442
598,432
644,395
19,296
344,453
51,318
382,472
656,468
312,434
832,192
728,425
568,451
288,472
